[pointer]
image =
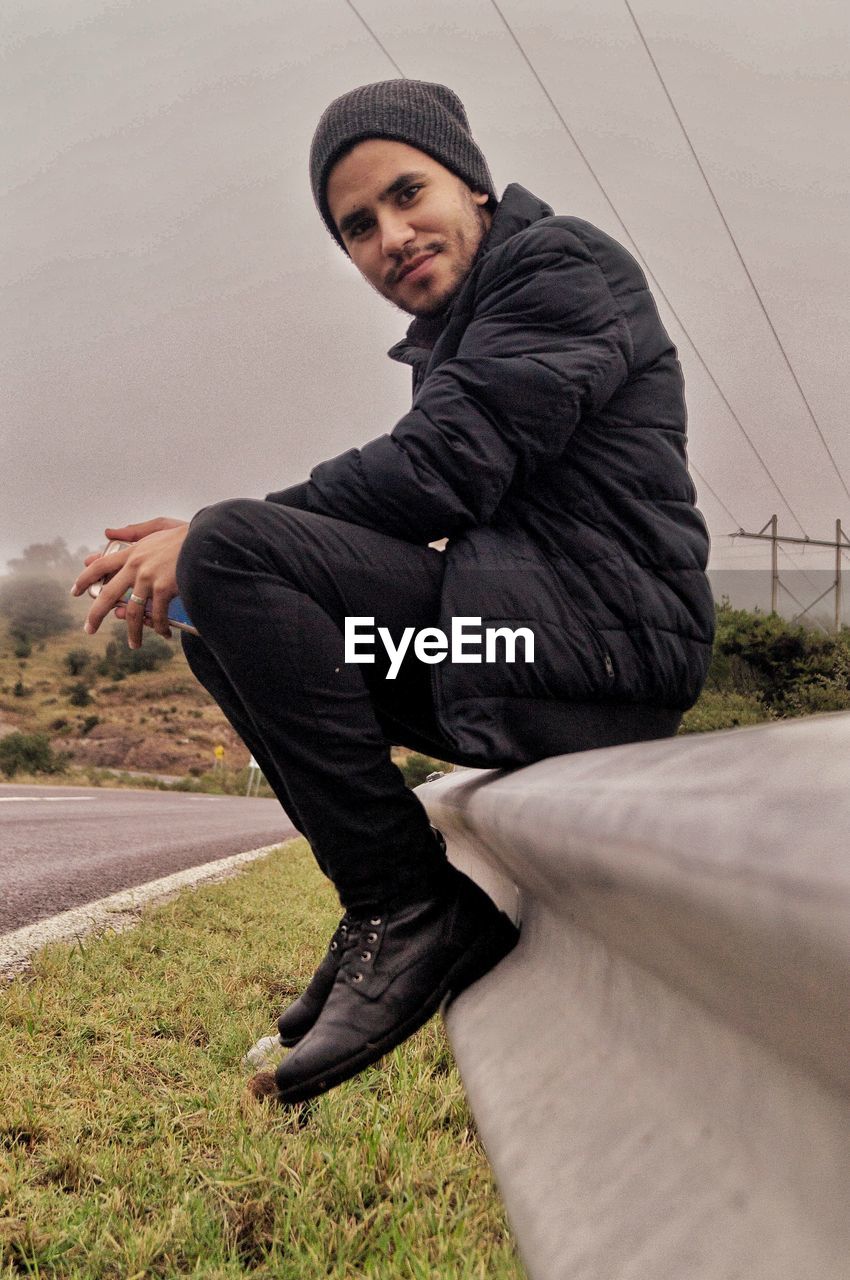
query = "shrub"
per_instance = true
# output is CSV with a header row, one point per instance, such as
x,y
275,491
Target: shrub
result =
x,y
88,724
79,695
77,660
822,695
120,660
718,709
28,753
23,647
20,690
823,692
757,653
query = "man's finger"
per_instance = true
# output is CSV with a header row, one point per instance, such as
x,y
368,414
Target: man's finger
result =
x,y
129,532
159,614
133,532
98,567
108,598
134,611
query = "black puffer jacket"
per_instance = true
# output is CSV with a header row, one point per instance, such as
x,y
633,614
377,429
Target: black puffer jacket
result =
x,y
547,441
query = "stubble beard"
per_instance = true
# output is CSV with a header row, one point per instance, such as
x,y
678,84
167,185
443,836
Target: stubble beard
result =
x,y
467,241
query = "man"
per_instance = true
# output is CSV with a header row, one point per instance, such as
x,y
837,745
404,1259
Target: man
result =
x,y
547,443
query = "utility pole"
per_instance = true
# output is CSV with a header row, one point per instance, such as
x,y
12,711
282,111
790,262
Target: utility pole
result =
x,y
838,537
840,544
774,563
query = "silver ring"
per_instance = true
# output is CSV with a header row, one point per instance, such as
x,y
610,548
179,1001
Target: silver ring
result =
x,y
134,599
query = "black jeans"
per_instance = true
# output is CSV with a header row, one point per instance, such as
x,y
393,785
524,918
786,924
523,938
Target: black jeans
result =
x,y
269,588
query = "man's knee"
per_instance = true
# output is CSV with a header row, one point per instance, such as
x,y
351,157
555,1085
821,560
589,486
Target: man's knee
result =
x,y
217,535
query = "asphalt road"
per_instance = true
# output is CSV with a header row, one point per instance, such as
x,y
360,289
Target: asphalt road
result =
x,y
61,847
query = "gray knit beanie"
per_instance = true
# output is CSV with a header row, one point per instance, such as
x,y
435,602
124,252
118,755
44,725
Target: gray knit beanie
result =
x,y
429,117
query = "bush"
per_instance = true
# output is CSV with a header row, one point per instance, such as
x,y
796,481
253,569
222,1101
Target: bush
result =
x,y
120,660
35,607
762,654
20,690
718,709
23,647
77,660
79,695
822,692
28,753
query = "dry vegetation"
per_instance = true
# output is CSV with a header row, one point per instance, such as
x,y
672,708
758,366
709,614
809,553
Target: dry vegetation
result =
x,y
159,721
148,725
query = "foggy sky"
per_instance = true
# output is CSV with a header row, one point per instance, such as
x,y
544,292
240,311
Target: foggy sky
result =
x,y
178,326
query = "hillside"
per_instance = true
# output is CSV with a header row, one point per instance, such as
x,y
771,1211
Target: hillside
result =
x,y
158,721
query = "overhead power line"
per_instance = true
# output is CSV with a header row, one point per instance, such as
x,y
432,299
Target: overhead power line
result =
x,y
608,199
735,245
375,38
692,467
796,569
704,484
632,241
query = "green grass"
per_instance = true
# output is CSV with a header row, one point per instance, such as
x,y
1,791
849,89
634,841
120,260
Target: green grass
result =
x,y
130,1148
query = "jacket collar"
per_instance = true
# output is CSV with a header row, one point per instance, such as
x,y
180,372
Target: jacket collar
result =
x,y
516,210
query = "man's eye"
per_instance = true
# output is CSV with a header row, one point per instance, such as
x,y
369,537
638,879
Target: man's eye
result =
x,y
410,191
358,229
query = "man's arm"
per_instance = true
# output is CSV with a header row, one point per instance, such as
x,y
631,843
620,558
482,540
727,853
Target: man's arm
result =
x,y
547,343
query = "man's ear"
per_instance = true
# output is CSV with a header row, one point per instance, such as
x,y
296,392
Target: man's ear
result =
x,y
480,197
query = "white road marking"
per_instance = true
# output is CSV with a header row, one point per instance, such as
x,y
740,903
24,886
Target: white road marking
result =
x,y
118,911
43,799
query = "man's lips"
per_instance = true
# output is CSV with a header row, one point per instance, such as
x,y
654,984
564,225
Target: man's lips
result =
x,y
413,268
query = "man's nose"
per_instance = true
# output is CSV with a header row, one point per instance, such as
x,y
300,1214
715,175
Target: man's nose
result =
x,y
396,232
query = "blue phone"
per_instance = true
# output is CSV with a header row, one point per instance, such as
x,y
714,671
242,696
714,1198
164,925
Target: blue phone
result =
x,y
177,615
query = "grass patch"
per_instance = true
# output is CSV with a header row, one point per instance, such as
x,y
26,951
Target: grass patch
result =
x,y
129,1147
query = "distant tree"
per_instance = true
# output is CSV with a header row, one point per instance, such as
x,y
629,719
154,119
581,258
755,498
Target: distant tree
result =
x,y
35,607
48,560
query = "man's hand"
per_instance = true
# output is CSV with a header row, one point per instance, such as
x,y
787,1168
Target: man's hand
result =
x,y
148,567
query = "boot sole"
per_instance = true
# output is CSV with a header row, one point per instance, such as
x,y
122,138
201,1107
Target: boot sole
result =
x,y
466,970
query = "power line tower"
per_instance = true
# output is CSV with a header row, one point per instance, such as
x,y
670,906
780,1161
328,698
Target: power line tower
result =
x,y
841,543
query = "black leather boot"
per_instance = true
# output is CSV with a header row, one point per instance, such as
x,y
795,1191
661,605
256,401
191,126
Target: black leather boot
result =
x,y
394,974
295,1021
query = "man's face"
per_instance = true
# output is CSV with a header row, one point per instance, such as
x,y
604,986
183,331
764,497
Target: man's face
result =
x,y
411,226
